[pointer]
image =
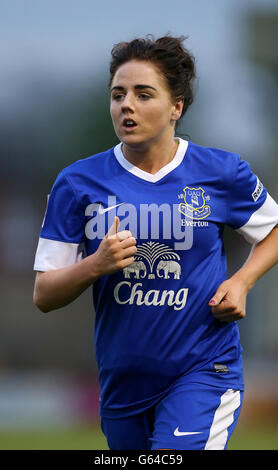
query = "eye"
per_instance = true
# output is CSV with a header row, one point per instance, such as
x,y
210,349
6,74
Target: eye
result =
x,y
117,96
144,96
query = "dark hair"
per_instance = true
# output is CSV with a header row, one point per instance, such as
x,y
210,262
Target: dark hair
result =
x,y
169,54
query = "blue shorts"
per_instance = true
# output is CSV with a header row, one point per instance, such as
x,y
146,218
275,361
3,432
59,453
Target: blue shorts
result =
x,y
191,416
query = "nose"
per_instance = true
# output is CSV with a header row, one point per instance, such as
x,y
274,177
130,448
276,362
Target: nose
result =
x,y
128,103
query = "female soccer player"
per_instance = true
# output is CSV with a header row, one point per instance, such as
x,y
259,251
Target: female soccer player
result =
x,y
150,215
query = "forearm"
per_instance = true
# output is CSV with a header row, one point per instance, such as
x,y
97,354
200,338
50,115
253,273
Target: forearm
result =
x,y
262,258
56,288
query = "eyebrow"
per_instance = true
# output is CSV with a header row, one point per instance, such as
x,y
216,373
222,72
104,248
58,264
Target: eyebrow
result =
x,y
137,87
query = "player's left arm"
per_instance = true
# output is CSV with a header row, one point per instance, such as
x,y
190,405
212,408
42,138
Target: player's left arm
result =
x,y
229,302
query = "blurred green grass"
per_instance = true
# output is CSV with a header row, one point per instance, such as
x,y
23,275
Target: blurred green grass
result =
x,y
259,437
83,438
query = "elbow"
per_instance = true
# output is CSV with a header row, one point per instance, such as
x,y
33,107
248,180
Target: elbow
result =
x,y
38,302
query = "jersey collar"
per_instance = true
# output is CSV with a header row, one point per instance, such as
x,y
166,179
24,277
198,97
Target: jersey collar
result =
x,y
153,178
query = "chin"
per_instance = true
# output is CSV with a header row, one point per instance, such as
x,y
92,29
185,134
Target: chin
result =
x,y
131,140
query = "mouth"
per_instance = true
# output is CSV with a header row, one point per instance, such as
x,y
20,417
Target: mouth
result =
x,y
129,124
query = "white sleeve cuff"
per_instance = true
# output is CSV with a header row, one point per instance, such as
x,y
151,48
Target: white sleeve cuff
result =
x,y
261,222
52,254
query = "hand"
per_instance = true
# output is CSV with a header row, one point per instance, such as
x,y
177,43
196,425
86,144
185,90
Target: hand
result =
x,y
229,302
116,250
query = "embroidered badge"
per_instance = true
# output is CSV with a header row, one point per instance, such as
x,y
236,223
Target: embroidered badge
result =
x,y
194,205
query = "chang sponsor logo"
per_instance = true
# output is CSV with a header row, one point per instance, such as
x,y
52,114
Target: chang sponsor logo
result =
x,y
152,260
125,293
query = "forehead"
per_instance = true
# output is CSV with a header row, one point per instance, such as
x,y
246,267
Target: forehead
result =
x,y
135,72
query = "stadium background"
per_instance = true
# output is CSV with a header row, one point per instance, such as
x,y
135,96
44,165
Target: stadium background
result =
x,y
54,109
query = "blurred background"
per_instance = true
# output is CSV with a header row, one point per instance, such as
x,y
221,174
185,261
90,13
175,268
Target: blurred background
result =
x,y
54,109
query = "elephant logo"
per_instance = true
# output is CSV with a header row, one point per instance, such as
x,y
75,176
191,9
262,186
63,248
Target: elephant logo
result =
x,y
158,258
168,267
153,258
135,268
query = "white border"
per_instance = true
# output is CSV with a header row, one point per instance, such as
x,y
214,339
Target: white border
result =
x,y
165,170
52,254
261,222
223,419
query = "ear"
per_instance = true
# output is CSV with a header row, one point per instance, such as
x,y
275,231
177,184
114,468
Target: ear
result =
x,y
178,107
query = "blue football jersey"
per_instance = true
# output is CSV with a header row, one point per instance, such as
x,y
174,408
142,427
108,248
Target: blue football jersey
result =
x,y
152,319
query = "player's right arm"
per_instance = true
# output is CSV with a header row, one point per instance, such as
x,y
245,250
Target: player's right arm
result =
x,y
56,288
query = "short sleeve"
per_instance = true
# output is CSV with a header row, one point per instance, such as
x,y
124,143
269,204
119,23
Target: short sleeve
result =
x,y
62,234
251,210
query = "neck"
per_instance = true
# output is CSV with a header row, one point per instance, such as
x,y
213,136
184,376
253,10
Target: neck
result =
x,y
151,158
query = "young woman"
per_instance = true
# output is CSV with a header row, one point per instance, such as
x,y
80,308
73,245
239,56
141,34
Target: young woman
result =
x,y
150,214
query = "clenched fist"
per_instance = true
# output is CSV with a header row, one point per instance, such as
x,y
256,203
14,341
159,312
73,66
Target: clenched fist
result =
x,y
229,302
116,250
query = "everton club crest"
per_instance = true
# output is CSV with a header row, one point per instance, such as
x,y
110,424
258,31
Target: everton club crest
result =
x,y
194,205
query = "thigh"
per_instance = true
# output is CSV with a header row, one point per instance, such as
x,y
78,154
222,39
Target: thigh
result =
x,y
196,417
130,433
